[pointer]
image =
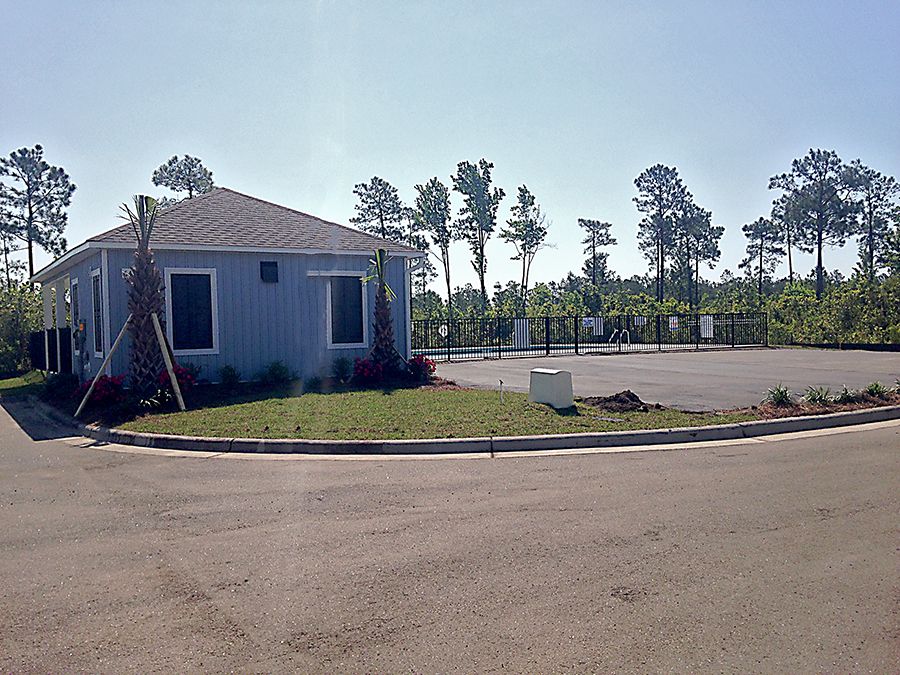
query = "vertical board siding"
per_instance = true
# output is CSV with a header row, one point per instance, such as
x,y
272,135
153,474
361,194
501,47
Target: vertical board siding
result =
x,y
258,322
115,289
82,272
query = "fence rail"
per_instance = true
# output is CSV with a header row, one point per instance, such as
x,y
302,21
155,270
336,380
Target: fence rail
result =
x,y
503,337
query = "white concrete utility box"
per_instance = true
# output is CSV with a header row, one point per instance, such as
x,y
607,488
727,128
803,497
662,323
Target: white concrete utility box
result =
x,y
553,387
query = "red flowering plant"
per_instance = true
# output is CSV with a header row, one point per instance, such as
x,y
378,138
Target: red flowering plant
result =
x,y
185,377
367,371
420,368
107,391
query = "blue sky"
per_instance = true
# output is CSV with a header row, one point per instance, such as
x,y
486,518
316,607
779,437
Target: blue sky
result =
x,y
295,102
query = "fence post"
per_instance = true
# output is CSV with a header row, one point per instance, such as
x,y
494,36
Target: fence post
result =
x,y
658,336
547,335
619,332
576,335
497,337
765,318
732,330
696,321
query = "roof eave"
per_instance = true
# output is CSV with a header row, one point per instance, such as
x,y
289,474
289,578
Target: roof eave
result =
x,y
78,253
69,258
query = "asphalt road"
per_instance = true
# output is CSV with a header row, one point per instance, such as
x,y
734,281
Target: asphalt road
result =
x,y
775,555
706,380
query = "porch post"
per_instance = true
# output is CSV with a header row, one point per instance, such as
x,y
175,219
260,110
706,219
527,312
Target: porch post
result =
x,y
61,321
46,291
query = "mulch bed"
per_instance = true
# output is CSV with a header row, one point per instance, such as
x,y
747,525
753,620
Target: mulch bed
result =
x,y
628,401
801,408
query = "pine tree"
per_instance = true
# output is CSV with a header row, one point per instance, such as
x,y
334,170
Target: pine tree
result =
x,y
764,250
379,210
597,235
478,216
184,175
33,202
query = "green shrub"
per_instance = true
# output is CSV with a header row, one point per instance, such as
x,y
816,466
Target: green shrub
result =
x,y
276,374
876,390
846,396
230,376
312,384
342,368
59,387
779,395
818,395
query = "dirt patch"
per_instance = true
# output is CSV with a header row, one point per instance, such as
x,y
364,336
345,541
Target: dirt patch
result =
x,y
440,384
624,401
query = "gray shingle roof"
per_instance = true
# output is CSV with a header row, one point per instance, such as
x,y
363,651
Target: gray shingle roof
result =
x,y
223,218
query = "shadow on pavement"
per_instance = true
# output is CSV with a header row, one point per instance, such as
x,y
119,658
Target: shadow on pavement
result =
x,y
32,418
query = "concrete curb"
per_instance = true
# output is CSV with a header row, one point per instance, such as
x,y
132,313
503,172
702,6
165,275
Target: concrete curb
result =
x,y
491,445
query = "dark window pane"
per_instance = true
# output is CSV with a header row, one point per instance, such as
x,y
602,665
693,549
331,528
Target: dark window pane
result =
x,y
346,310
268,272
76,313
98,313
191,311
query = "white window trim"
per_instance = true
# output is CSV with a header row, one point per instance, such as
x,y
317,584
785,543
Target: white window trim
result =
x,y
96,274
214,301
75,313
107,322
328,317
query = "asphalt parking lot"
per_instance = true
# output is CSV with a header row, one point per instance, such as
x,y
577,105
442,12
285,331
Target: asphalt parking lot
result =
x,y
693,380
775,556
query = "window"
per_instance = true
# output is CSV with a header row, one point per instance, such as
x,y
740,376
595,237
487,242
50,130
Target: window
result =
x,y
192,311
75,313
268,272
97,309
346,312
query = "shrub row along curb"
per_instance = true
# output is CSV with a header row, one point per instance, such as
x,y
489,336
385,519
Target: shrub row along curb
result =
x,y
493,444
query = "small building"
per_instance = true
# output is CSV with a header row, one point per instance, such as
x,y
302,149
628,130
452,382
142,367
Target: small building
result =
x,y
247,283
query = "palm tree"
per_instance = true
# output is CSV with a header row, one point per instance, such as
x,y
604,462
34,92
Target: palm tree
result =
x,y
383,350
145,298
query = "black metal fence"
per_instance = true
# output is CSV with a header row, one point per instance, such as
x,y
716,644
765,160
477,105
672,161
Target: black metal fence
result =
x,y
543,336
59,343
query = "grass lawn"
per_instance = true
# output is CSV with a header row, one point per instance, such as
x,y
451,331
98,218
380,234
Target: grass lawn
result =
x,y
29,383
409,413
439,411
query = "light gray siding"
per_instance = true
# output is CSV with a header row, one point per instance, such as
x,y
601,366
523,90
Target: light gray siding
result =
x,y
258,322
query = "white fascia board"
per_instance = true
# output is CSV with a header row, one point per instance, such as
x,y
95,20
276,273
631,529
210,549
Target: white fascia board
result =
x,y
48,273
260,249
73,256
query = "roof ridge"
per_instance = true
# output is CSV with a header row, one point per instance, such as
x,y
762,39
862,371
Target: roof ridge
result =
x,y
303,213
281,223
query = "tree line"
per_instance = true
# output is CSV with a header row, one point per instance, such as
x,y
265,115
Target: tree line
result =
x,y
429,224
822,202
